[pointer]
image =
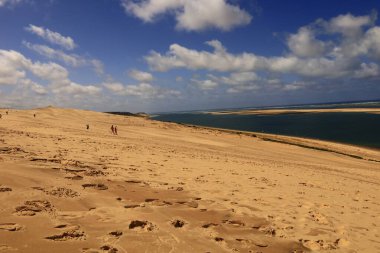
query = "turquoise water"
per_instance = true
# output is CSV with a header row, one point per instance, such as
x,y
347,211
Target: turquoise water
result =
x,y
362,129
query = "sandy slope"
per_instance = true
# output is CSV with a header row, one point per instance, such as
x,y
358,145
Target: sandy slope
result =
x,y
162,187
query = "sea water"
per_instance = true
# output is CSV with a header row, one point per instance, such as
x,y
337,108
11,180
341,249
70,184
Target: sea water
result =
x,y
362,129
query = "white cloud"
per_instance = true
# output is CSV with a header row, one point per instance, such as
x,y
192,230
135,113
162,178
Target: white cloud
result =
x,y
181,57
51,71
69,59
144,90
235,82
368,70
52,37
294,86
37,88
14,68
98,66
140,75
114,86
205,84
239,89
239,79
141,90
304,44
218,60
195,15
11,71
348,24
10,2
78,89
307,57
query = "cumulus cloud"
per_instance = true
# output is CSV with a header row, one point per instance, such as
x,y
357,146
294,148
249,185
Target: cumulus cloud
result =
x,y
304,43
78,89
307,55
14,68
11,67
240,79
235,82
141,90
114,86
140,75
69,59
205,84
195,15
52,37
73,60
348,24
35,87
368,70
218,60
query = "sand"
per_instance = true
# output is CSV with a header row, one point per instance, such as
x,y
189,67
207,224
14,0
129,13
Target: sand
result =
x,y
296,111
163,187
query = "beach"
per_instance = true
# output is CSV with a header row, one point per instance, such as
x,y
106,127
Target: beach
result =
x,y
166,187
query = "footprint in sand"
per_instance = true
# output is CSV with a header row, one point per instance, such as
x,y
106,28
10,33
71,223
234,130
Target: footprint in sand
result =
x,y
95,186
116,233
5,189
63,192
268,230
67,236
210,225
178,223
109,249
219,239
60,192
131,206
71,232
235,223
76,177
94,173
30,208
192,204
149,226
12,227
319,218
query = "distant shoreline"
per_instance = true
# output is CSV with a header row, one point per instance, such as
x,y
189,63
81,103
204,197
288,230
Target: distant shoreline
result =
x,y
300,123
309,143
294,111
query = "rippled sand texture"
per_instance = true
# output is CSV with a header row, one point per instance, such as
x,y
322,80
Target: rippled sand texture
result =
x,y
163,187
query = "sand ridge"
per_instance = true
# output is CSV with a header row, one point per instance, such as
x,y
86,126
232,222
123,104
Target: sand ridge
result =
x,y
163,187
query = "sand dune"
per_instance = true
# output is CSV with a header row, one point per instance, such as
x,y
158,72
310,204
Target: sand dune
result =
x,y
163,187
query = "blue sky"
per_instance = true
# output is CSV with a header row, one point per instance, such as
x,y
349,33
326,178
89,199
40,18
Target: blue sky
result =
x,y
168,55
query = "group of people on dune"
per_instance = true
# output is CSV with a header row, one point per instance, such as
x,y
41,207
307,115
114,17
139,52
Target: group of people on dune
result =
x,y
114,129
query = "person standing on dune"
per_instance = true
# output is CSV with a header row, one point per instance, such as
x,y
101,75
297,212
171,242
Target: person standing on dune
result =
x,y
112,130
115,129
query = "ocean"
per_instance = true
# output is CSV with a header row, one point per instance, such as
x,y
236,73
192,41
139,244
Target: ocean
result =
x,y
361,129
